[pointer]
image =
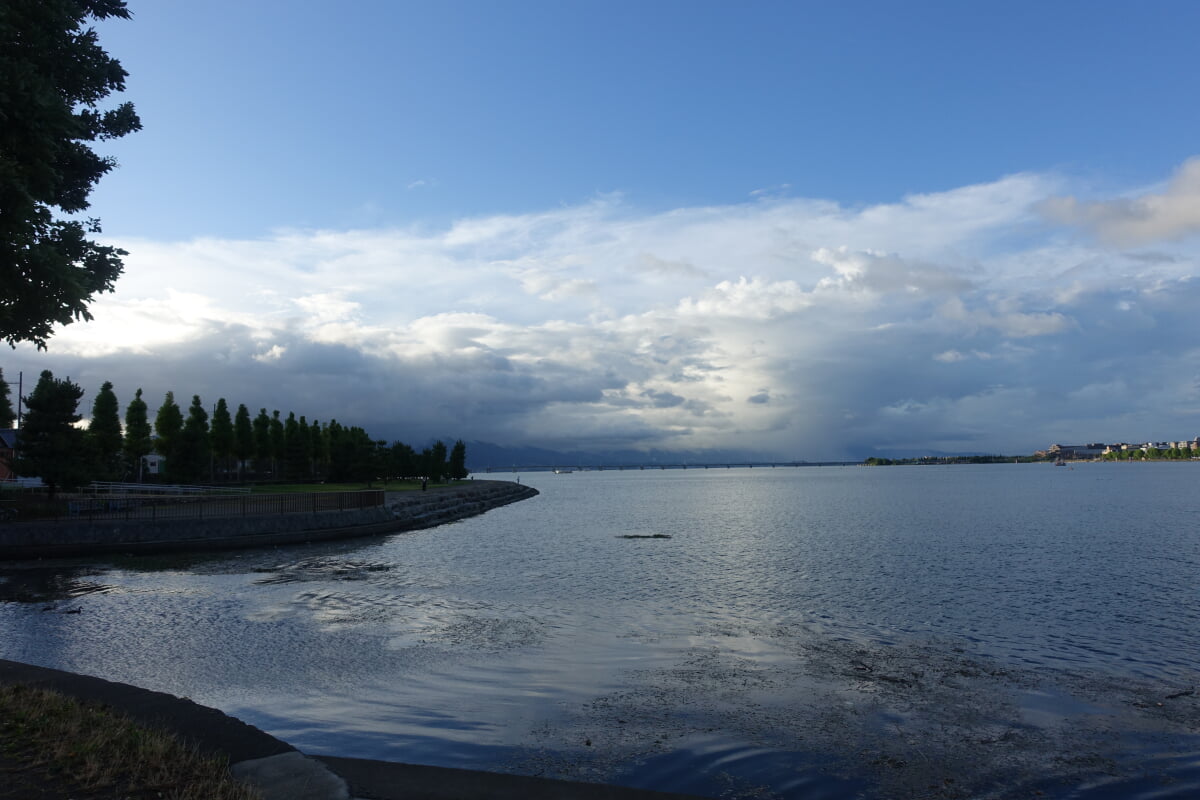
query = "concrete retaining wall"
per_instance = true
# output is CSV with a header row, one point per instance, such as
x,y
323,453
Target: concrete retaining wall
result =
x,y
402,511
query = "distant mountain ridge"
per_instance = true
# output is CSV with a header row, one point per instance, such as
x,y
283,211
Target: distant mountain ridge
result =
x,y
483,455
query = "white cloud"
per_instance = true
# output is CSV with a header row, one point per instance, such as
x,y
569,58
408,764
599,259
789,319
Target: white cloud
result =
x,y
795,326
1170,214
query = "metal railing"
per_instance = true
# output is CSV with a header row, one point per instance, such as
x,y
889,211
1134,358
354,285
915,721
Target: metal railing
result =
x,y
151,508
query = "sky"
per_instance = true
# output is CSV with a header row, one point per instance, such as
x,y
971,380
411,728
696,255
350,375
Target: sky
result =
x,y
810,230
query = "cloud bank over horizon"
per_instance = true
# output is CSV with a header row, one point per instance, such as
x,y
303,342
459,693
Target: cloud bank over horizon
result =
x,y
995,317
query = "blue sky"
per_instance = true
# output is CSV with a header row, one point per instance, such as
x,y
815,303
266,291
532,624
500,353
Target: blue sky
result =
x,y
812,229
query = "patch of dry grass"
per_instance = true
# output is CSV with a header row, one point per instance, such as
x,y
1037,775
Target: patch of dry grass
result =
x,y
48,738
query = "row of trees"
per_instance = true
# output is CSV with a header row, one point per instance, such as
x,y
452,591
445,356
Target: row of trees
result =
x,y
196,447
1152,453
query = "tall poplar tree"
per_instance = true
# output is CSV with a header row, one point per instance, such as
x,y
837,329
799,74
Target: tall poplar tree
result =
x,y
243,437
320,448
104,434
168,425
276,439
193,453
262,441
293,448
306,449
138,442
50,443
221,435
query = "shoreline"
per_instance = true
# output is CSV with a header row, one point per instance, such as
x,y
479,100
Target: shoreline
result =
x,y
279,770
401,511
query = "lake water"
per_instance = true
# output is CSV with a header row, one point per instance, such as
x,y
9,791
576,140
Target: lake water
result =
x,y
969,631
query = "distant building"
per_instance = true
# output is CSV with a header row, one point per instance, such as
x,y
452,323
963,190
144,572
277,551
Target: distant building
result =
x,y
153,463
1075,451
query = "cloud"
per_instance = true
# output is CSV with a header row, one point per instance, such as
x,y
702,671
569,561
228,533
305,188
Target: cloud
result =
x,y
795,327
761,398
1173,213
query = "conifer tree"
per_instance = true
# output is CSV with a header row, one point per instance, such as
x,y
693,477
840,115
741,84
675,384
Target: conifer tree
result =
x,y
138,442
104,434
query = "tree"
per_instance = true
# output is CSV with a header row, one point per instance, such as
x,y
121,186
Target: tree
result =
x,y
339,452
243,436
402,461
319,447
193,453
7,417
55,75
306,450
137,433
168,425
433,462
275,437
293,449
262,441
104,434
50,444
221,436
458,461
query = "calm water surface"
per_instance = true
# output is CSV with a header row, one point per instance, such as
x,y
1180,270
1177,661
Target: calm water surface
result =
x,y
984,631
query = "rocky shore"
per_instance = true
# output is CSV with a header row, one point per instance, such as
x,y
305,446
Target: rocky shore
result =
x,y
401,511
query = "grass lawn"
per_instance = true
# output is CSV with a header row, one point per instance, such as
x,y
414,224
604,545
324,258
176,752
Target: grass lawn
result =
x,y
52,746
391,486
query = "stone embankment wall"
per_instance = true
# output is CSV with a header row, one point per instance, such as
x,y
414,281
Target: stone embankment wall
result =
x,y
402,511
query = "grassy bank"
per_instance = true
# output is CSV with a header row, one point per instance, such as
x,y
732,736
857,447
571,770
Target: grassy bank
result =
x,y
391,486
52,746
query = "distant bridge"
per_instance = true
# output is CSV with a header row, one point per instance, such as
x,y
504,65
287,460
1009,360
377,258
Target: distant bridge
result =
x,y
661,466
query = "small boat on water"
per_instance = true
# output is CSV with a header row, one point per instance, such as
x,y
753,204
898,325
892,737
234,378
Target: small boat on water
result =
x,y
563,471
